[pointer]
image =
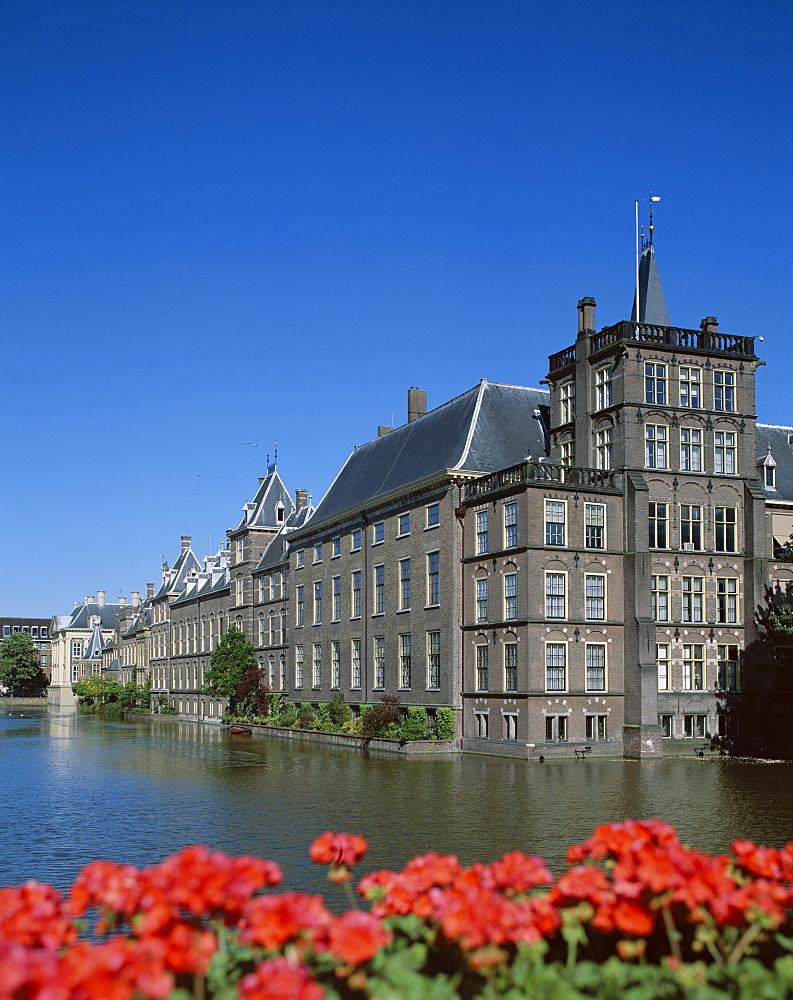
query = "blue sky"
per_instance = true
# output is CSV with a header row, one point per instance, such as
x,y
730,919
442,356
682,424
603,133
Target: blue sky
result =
x,y
256,221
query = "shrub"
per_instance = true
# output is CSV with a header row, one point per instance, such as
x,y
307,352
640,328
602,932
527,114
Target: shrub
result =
x,y
339,711
444,723
383,719
416,724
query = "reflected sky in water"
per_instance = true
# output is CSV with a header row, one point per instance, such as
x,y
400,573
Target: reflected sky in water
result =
x,y
75,788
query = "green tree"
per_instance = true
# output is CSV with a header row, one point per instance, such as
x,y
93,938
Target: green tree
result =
x,y
231,659
20,667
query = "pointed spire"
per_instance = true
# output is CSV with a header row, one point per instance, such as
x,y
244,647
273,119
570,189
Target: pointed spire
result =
x,y
652,303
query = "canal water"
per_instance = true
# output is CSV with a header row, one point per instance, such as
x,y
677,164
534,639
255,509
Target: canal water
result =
x,y
74,788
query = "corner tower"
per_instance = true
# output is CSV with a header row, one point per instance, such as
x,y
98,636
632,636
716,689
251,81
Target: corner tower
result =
x,y
673,409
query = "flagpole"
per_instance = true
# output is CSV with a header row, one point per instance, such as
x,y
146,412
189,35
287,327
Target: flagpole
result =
x,y
637,260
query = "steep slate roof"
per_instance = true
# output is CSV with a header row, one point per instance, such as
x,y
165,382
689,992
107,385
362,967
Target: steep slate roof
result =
x,y
93,648
213,578
778,439
107,614
652,301
278,549
173,579
490,427
261,511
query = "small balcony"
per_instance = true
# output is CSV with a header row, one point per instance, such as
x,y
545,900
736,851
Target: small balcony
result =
x,y
543,472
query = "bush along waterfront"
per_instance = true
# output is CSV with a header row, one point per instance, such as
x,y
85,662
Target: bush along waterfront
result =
x,y
635,916
111,699
385,720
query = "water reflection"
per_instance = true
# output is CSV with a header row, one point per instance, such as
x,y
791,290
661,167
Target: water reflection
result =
x,y
76,788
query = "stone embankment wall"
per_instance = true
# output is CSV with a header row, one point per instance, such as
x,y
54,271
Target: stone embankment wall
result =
x,y
356,742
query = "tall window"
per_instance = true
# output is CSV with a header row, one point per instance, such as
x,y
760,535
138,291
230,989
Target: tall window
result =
x,y
336,543
566,402
727,600
654,383
662,659
481,600
726,535
603,384
724,391
659,524
510,666
694,667
404,524
554,522
355,675
510,525
317,602
481,531
355,539
555,666
335,664
692,598
275,584
378,532
555,595
555,728
595,597
300,559
510,596
379,661
655,446
660,596
404,584
724,453
690,387
603,448
433,660
695,727
482,654
691,526
317,675
728,668
404,661
567,452
595,525
595,667
298,666
690,449
336,598
596,727
356,593
433,578
379,589
433,515
318,552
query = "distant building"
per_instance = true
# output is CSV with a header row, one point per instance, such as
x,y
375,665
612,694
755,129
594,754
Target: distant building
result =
x,y
39,631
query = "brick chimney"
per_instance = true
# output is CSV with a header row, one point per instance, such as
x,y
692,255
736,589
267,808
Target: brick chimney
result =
x,y
382,431
586,316
149,590
709,324
89,599
100,598
417,403
135,598
186,539
301,499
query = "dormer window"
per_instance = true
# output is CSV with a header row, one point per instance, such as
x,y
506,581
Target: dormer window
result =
x,y
279,512
766,470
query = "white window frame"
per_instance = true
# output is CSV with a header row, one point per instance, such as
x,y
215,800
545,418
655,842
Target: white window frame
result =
x,y
555,588
663,662
555,514
595,519
591,596
690,387
604,387
656,439
691,449
593,650
555,651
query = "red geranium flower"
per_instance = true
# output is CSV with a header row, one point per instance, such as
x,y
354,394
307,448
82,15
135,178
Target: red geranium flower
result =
x,y
278,979
356,937
338,849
